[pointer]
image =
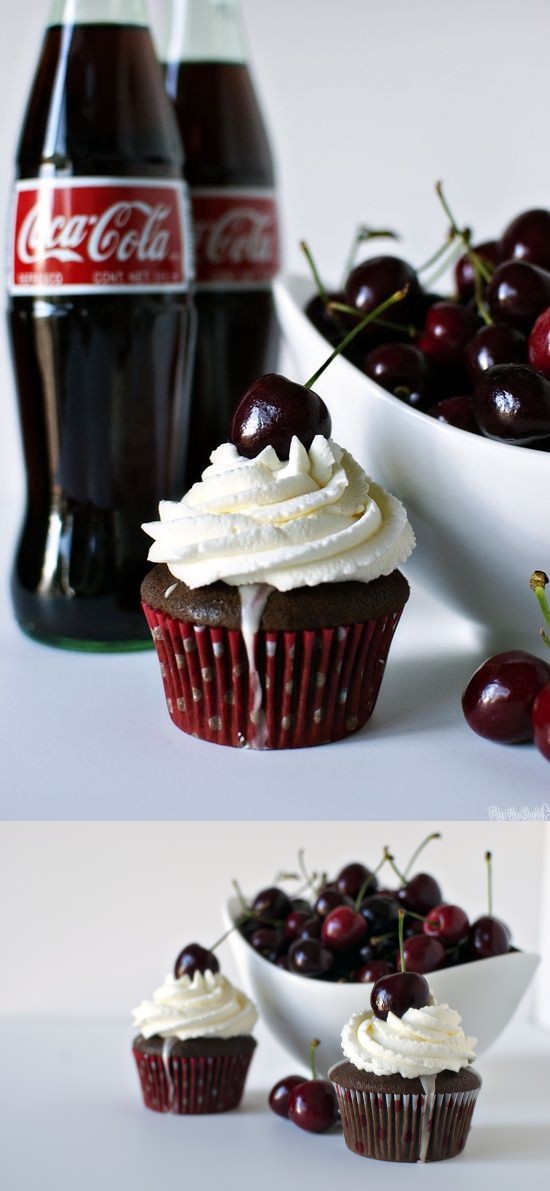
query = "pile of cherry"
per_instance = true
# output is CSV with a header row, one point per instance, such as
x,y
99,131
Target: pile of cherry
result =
x,y
480,361
347,931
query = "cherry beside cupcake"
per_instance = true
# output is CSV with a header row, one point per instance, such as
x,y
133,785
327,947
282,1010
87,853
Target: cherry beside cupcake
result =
x,y
276,592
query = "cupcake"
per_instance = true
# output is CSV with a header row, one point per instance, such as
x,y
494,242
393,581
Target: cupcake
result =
x,y
276,593
406,1091
194,1045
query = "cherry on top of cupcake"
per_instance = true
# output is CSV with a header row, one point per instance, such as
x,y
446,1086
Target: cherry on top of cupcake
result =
x,y
274,410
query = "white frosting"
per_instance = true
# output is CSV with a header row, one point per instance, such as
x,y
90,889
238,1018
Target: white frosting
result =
x,y
314,518
207,1006
419,1044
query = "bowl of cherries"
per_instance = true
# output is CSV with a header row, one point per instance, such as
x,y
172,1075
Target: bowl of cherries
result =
x,y
310,961
447,401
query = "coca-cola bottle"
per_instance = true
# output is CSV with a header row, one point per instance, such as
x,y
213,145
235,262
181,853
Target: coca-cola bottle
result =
x,y
101,322
229,169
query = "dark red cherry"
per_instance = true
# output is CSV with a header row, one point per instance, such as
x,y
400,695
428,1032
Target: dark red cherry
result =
x,y
538,348
495,344
498,700
447,329
421,955
398,992
489,252
352,878
420,894
267,941
280,1092
312,1105
195,958
517,293
402,370
331,324
308,957
455,411
511,403
379,913
328,899
271,904
272,412
374,970
488,936
312,928
375,280
527,238
448,923
343,928
541,721
296,920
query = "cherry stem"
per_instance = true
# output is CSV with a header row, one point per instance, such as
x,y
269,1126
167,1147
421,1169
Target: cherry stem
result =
x,y
388,856
418,850
369,318
341,307
223,937
482,271
401,929
537,583
488,858
316,275
248,912
361,235
447,245
313,1047
368,881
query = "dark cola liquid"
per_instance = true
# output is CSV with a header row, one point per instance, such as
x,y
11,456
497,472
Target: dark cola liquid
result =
x,y
238,338
103,379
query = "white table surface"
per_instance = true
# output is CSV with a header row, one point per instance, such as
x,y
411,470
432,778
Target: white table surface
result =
x,y
72,1119
88,737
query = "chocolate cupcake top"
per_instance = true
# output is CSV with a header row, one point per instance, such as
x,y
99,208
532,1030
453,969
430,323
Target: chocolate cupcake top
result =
x,y
314,518
421,1043
207,1005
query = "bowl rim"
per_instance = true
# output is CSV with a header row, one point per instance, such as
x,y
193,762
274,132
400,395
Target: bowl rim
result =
x,y
231,903
286,285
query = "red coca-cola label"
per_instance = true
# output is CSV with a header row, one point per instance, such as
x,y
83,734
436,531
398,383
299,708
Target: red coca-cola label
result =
x,y
236,236
76,235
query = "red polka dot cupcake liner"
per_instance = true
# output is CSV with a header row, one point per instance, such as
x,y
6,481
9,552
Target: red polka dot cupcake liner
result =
x,y
402,1127
188,1086
317,685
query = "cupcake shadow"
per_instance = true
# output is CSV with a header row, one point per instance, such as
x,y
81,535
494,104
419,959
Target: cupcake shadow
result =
x,y
420,693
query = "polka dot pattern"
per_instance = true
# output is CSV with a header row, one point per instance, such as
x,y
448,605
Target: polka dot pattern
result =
x,y
188,1086
318,685
389,1126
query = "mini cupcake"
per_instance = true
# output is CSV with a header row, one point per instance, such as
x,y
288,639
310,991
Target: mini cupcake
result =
x,y
407,1091
194,1045
276,594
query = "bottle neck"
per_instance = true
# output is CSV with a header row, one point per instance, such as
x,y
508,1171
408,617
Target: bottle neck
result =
x,y
98,12
203,31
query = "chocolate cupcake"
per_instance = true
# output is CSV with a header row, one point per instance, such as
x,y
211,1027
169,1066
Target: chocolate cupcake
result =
x,y
407,1091
276,596
194,1047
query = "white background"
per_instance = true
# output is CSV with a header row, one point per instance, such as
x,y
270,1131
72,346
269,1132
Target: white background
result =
x,y
367,104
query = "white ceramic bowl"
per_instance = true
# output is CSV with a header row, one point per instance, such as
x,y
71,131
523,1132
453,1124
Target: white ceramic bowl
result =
x,y
480,509
297,1009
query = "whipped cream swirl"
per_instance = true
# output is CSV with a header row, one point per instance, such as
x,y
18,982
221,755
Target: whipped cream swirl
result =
x,y
423,1042
314,518
206,1006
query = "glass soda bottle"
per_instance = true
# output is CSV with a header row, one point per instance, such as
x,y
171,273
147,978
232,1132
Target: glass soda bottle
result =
x,y
101,323
229,168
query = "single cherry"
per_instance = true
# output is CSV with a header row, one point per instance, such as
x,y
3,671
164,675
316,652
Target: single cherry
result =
x,y
308,957
328,899
538,347
401,990
511,403
312,1104
352,878
495,344
343,927
280,1092
498,700
488,936
271,904
455,411
527,238
195,958
376,279
447,923
517,293
272,412
380,914
296,920
421,893
331,324
373,971
447,329
541,721
422,954
489,252
402,370
268,941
